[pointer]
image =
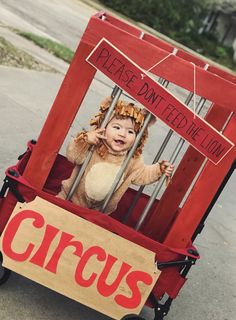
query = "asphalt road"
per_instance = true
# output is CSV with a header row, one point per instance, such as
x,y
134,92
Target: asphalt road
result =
x,y
25,99
64,21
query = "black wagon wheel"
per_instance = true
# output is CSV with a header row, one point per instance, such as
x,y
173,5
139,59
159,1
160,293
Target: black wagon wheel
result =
x,y
132,317
4,272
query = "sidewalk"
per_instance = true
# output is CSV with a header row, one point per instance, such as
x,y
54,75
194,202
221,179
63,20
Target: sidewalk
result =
x,y
38,53
26,97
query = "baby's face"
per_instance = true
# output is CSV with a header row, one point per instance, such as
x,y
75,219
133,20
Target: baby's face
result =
x,y
120,134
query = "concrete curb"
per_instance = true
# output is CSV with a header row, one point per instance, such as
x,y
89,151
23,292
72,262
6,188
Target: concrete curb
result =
x,y
38,53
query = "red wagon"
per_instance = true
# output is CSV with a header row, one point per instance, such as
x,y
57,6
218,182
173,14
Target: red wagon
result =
x,y
142,253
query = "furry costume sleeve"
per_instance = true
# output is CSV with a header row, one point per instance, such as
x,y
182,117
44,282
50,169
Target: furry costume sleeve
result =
x,y
78,148
145,174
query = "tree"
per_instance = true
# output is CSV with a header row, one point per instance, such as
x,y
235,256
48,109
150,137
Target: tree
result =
x,y
180,20
176,19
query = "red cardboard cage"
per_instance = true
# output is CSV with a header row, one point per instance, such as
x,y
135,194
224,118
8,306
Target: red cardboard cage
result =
x,y
168,230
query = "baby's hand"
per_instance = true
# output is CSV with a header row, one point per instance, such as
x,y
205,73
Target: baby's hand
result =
x,y
166,168
95,136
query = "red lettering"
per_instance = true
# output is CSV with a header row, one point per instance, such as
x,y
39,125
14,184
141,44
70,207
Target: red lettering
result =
x,y
101,256
41,253
65,241
12,229
108,289
94,258
132,280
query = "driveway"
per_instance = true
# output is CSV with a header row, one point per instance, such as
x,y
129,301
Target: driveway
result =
x,y
25,99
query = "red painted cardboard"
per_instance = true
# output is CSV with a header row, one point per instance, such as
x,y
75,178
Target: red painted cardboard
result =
x,y
77,258
159,101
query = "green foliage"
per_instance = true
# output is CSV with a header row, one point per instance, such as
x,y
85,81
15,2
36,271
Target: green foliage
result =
x,y
12,56
53,47
170,17
178,19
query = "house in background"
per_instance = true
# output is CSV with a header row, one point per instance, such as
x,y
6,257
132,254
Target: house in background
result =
x,y
221,21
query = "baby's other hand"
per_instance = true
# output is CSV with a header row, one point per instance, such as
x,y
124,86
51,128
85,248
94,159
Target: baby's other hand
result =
x,y
166,168
95,136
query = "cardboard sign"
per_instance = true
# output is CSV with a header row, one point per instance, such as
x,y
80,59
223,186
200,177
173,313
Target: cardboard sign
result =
x,y
159,101
78,259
